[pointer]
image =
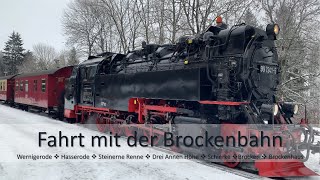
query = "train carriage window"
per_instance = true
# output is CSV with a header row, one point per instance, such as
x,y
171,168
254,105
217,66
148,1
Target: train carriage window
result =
x,y
0,86
17,85
21,85
5,85
26,85
35,85
43,85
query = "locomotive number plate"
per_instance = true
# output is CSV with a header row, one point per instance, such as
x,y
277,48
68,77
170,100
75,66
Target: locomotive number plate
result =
x,y
268,69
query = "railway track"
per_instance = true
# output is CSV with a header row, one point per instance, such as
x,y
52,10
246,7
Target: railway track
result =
x,y
238,172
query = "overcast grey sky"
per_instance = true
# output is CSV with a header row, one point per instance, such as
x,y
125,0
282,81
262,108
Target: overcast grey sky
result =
x,y
36,20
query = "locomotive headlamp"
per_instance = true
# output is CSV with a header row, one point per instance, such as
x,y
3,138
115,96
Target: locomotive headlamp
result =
x,y
272,30
270,108
295,109
275,109
290,108
276,29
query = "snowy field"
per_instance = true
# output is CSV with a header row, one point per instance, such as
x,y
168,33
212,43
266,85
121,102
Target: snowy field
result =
x,y
314,161
19,135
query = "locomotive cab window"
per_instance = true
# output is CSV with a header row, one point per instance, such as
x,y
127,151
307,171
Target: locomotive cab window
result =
x,y
17,85
92,71
83,73
43,85
88,72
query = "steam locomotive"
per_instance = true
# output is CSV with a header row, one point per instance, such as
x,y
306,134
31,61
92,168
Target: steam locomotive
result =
x,y
225,77
205,75
221,76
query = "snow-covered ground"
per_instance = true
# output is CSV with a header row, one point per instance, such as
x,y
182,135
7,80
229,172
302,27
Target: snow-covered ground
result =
x,y
314,160
19,135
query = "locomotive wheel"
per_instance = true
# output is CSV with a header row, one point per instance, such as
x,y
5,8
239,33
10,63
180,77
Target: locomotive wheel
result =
x,y
115,128
101,123
148,132
127,129
232,162
156,141
89,121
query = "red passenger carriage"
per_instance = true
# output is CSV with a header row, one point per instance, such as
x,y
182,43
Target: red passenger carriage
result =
x,y
42,90
6,89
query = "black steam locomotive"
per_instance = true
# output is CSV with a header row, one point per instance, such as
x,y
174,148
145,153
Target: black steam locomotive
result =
x,y
221,76
202,74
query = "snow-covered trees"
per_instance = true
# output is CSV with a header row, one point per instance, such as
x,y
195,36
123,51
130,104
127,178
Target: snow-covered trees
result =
x,y
73,57
29,64
1,64
44,55
13,54
81,24
96,26
298,48
121,25
250,19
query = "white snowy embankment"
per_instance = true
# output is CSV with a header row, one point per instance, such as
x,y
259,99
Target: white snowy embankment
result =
x,y
19,134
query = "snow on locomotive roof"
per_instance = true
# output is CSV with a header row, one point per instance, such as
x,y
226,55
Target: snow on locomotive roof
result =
x,y
45,72
100,57
93,60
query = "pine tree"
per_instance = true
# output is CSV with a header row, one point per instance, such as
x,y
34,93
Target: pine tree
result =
x,y
73,57
29,63
1,64
13,54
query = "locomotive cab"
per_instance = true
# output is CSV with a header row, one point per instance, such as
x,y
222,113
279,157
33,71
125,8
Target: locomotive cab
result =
x,y
71,94
80,87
